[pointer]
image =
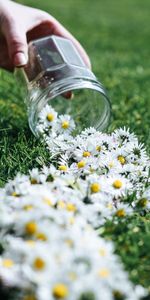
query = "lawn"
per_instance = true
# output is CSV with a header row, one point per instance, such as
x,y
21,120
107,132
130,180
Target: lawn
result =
x,y
116,36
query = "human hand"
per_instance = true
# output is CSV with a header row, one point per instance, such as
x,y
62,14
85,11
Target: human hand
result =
x,y
19,24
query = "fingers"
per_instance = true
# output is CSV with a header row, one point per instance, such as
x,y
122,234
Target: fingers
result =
x,y
15,37
4,57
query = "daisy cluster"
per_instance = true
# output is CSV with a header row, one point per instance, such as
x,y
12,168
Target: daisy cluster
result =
x,y
49,246
50,254
109,167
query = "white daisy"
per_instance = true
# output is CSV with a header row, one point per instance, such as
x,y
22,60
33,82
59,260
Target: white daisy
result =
x,y
123,136
65,125
117,186
48,116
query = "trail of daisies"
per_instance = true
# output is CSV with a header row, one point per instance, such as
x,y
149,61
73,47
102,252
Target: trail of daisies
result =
x,y
50,247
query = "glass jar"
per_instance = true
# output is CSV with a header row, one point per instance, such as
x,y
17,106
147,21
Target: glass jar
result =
x,y
54,70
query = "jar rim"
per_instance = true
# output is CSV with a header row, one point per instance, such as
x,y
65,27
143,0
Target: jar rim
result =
x,y
62,86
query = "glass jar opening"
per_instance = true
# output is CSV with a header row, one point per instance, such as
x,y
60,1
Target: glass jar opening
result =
x,y
89,106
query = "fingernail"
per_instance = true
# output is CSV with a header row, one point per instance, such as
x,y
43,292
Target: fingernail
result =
x,y
20,59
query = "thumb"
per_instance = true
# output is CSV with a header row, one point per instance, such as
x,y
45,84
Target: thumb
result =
x,y
16,40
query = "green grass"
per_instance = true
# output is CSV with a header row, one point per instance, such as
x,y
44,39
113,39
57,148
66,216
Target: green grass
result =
x,y
131,237
116,36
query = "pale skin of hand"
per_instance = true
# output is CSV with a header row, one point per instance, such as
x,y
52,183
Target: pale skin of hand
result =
x,y
19,24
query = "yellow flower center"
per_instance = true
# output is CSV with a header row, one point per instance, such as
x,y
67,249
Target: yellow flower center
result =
x,y
72,276
63,168
29,297
120,213
39,263
86,154
61,204
102,252
109,205
111,164
33,181
31,243
122,159
14,194
91,170
50,117
98,148
118,295
31,228
72,220
71,207
41,236
65,124
48,201
143,202
104,273
95,187
117,184
81,164
28,207
69,242
60,291
7,263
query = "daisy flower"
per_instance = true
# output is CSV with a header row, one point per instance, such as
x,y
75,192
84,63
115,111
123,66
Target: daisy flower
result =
x,y
118,186
65,125
48,116
123,136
